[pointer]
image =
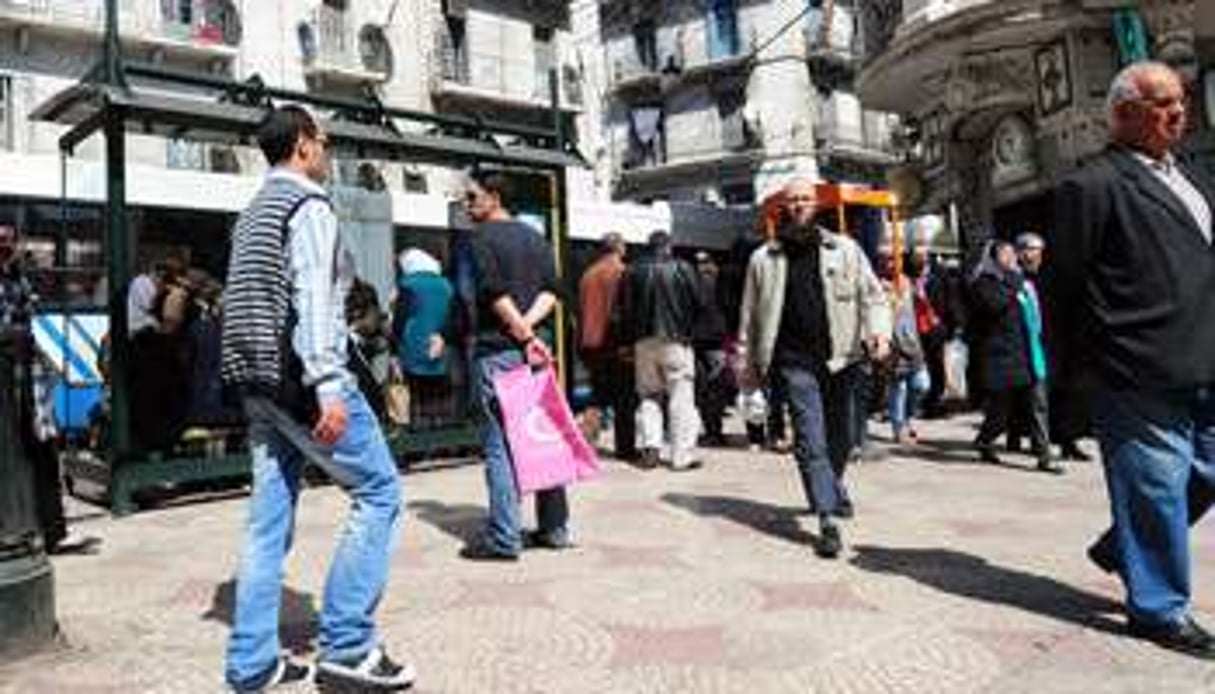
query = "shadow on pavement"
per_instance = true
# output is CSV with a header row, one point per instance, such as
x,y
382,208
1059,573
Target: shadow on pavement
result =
x,y
778,521
461,521
298,618
969,576
943,452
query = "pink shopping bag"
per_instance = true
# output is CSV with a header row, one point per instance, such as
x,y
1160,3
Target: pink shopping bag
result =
x,y
546,445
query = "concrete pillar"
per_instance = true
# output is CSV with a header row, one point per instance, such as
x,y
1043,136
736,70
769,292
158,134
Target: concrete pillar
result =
x,y
782,97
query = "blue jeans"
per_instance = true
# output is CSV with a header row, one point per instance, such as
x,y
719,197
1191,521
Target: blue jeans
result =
x,y
810,449
362,465
906,389
502,528
1152,443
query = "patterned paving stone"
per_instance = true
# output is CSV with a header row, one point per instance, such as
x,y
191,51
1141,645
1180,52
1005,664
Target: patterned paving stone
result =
x,y
656,598
956,578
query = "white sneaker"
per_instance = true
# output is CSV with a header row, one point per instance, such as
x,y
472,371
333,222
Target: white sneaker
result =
x,y
375,672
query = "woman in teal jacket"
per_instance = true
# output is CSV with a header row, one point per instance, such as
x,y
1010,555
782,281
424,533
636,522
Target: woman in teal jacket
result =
x,y
420,321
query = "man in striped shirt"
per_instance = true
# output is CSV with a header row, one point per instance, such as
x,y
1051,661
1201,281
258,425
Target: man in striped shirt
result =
x,y
284,350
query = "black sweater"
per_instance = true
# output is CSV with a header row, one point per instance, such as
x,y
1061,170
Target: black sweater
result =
x,y
514,260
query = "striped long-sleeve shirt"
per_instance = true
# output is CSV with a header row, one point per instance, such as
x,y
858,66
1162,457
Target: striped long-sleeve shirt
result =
x,y
321,271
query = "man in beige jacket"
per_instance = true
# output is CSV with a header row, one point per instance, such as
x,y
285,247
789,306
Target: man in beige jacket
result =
x,y
812,312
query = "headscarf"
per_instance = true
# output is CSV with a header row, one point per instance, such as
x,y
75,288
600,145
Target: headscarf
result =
x,y
987,264
415,260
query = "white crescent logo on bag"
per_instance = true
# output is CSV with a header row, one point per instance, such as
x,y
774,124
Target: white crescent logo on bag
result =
x,y
539,427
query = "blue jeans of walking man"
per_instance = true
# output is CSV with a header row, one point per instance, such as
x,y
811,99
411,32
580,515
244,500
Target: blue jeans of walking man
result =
x,y
552,512
1152,443
810,450
362,466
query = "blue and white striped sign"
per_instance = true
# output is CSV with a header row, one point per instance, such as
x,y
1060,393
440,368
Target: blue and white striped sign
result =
x,y
71,344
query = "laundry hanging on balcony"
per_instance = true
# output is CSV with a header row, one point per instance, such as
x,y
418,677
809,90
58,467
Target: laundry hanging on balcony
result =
x,y
647,131
723,29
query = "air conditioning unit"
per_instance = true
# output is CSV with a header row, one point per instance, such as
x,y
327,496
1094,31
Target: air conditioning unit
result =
x,y
375,53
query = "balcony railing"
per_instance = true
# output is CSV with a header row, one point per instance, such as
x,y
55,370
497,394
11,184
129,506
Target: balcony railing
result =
x,y
199,24
845,128
839,40
331,47
202,21
927,11
64,14
880,19
679,55
498,76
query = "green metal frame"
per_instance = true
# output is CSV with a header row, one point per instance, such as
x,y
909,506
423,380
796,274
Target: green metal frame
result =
x,y
107,102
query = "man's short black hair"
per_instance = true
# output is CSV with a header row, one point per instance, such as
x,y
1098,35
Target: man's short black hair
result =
x,y
281,129
660,240
493,181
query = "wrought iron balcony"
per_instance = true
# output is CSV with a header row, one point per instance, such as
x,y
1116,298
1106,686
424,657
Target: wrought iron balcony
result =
x,y
464,75
200,28
333,51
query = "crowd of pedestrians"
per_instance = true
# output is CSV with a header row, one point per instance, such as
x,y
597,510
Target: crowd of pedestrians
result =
x,y
1109,311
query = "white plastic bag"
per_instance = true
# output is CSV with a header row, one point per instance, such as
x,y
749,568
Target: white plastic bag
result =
x,y
957,358
753,406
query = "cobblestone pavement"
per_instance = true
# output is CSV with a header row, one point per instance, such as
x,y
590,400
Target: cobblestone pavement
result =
x,y
957,577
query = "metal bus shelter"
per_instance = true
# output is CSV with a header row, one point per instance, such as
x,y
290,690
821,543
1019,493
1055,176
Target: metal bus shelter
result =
x,y
121,97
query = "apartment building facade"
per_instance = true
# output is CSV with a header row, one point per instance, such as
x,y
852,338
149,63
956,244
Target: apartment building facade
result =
x,y
1002,99
722,101
485,58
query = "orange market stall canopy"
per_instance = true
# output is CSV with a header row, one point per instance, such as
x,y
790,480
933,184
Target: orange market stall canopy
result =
x,y
834,202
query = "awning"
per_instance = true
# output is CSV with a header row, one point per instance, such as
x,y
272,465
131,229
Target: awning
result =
x,y
153,112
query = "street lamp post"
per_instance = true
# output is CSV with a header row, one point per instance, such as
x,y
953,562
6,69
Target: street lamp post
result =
x,y
27,584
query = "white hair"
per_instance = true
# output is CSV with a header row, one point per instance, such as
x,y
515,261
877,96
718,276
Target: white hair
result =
x,y
1125,86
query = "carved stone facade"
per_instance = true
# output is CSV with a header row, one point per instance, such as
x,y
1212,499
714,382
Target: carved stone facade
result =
x,y
998,115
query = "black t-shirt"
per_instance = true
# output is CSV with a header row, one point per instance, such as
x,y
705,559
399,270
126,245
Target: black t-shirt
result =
x,y
803,339
512,259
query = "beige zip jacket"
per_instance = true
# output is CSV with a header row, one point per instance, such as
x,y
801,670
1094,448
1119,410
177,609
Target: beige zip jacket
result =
x,y
857,307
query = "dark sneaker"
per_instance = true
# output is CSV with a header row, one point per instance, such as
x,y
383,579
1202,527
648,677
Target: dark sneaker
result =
x,y
649,459
480,550
541,539
1048,464
1101,554
284,673
374,672
829,541
987,453
1185,636
844,509
1070,451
